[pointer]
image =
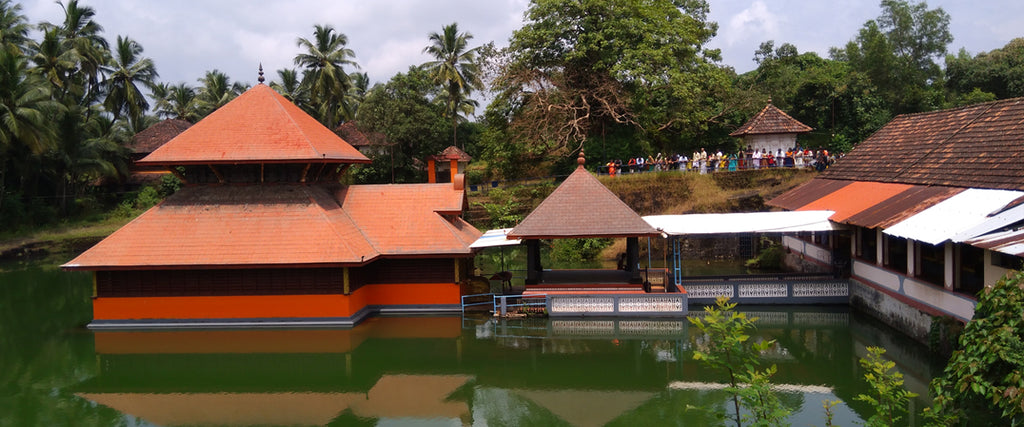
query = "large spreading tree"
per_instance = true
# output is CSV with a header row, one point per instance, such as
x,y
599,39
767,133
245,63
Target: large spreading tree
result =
x,y
579,69
899,51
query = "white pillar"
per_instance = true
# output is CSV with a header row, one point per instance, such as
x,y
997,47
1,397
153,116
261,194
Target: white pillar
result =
x,y
911,259
879,248
948,267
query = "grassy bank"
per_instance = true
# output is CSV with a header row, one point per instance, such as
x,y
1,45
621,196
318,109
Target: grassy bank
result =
x,y
661,193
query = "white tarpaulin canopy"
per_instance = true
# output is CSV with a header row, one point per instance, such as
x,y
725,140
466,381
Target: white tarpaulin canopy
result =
x,y
957,218
734,223
493,238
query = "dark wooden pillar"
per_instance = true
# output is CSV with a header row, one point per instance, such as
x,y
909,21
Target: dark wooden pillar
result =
x,y
533,267
633,258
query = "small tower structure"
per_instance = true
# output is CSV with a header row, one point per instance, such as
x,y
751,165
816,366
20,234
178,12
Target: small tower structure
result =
x,y
443,167
771,130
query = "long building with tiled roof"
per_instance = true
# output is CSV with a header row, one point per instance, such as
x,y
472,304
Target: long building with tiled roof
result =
x,y
934,203
263,233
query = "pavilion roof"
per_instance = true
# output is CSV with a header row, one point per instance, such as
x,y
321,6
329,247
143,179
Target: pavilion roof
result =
x,y
258,126
771,120
582,207
216,226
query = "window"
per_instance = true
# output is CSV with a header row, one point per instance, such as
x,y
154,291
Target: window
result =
x,y
867,245
896,253
1007,261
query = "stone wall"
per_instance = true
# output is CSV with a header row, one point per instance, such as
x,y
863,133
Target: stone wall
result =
x,y
897,314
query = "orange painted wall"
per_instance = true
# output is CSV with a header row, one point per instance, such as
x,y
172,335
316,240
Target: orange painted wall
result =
x,y
274,306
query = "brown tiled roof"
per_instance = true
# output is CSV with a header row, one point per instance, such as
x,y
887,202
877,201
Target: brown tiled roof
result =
x,y
258,126
350,132
453,153
287,225
902,206
771,120
581,207
978,146
157,135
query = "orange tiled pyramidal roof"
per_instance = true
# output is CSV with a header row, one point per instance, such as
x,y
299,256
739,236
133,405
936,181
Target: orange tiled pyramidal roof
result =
x,y
582,207
771,120
259,126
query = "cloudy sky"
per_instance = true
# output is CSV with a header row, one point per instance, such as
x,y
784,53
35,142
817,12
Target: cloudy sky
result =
x,y
188,37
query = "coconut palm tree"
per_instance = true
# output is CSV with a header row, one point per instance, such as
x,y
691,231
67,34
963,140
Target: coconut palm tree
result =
x,y
25,105
14,27
290,87
176,102
126,73
216,90
455,69
79,32
356,95
324,60
53,62
25,108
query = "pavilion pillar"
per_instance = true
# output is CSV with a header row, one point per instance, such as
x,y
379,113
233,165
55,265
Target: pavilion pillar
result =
x,y
633,259
911,258
533,267
948,266
431,171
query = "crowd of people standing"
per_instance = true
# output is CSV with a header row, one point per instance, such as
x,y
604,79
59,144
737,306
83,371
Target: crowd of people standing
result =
x,y
704,162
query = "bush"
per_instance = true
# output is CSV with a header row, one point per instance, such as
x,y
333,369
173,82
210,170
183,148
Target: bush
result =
x,y
983,383
577,250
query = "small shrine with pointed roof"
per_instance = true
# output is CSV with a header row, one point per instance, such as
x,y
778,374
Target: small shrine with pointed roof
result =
x,y
581,207
264,234
771,130
444,166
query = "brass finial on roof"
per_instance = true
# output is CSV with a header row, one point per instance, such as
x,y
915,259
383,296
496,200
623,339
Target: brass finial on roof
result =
x,y
261,79
580,160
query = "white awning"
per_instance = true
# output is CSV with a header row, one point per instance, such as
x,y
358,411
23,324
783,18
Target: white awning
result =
x,y
1010,242
751,222
958,218
493,238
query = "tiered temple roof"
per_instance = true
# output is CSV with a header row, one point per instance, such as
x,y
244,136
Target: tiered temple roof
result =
x,y
289,222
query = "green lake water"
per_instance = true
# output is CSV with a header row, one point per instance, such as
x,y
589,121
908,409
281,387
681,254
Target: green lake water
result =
x,y
421,371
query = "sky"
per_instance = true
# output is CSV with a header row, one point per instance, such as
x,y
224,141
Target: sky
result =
x,y
186,38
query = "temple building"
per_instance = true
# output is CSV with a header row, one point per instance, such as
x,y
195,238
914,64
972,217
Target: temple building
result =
x,y
933,204
771,130
263,234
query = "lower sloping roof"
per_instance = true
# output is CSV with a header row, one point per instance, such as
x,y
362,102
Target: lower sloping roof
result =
x,y
951,218
930,214
286,225
854,198
1009,242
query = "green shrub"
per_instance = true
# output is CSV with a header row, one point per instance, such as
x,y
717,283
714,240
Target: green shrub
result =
x,y
577,250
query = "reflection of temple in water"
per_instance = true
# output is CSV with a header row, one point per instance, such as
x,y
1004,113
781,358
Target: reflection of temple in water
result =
x,y
455,371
